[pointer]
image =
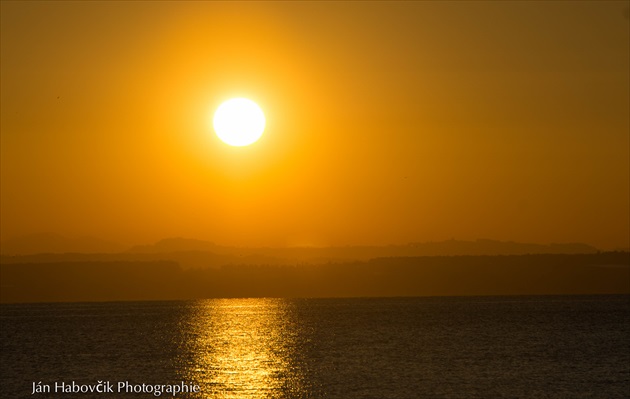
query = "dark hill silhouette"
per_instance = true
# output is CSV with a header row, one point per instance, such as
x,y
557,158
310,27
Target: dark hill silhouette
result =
x,y
189,259
345,253
177,244
90,281
601,273
198,254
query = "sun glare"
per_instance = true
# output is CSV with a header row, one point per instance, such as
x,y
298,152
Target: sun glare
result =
x,y
239,122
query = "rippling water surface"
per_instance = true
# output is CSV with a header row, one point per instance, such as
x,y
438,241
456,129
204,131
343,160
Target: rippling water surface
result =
x,y
469,347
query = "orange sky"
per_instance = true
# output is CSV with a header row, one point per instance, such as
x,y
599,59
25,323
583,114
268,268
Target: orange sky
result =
x,y
387,122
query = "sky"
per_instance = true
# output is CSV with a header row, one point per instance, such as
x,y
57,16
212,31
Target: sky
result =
x,y
387,122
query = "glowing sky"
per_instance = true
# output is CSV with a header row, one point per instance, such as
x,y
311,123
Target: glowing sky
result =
x,y
387,122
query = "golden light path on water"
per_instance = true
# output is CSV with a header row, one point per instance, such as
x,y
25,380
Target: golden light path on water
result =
x,y
243,348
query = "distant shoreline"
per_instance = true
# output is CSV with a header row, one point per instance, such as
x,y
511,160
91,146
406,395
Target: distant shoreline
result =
x,y
116,280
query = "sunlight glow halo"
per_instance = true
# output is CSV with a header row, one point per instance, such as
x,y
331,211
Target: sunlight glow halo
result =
x,y
239,122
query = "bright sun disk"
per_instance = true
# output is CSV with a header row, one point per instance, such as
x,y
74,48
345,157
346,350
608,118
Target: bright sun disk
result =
x,y
239,122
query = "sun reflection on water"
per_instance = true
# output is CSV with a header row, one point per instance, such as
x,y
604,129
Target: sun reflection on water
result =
x,y
242,348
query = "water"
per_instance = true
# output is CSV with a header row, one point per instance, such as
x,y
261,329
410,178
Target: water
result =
x,y
468,347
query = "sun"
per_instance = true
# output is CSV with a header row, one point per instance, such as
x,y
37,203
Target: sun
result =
x,y
239,122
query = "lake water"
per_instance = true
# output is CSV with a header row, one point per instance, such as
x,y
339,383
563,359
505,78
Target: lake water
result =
x,y
465,347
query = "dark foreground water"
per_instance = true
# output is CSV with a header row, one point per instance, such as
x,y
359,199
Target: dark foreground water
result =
x,y
468,347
